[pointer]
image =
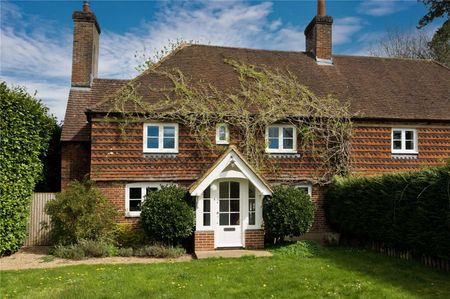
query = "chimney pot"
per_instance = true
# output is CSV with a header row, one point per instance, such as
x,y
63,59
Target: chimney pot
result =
x,y
86,7
321,8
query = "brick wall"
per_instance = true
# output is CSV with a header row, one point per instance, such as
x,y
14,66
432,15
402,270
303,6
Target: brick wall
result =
x,y
254,239
204,240
75,161
115,192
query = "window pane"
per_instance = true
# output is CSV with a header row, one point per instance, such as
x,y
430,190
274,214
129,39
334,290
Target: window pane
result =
x,y
251,204
135,193
207,192
206,206
224,206
222,133
135,205
206,219
169,142
152,142
224,219
397,145
234,192
169,131
288,132
234,205
251,190
150,189
224,191
251,218
304,189
152,131
273,143
409,145
409,135
234,219
273,132
397,135
288,143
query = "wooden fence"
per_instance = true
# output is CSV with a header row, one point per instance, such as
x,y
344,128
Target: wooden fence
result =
x,y
37,234
434,262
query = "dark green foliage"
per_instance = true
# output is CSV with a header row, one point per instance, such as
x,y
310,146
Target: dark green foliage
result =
x,y
25,128
81,212
436,9
288,212
166,215
440,44
50,180
299,249
71,252
405,211
129,236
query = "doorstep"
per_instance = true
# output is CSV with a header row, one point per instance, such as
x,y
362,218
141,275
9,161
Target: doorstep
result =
x,y
230,253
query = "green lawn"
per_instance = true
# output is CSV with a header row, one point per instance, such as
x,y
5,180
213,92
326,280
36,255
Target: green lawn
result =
x,y
295,271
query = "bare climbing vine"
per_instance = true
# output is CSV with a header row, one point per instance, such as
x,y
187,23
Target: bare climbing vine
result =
x,y
265,97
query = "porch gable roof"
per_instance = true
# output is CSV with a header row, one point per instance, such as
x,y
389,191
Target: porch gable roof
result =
x,y
229,157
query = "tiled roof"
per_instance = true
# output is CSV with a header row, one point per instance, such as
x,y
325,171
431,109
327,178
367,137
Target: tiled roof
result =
x,y
76,127
382,88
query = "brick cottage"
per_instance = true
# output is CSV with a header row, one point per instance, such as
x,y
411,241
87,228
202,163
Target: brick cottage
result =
x,y
401,122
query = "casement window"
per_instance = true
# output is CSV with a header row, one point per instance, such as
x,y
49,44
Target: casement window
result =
x,y
207,207
160,138
135,194
404,141
222,134
281,139
251,204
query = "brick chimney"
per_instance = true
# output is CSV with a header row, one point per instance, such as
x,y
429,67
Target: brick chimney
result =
x,y
86,33
318,36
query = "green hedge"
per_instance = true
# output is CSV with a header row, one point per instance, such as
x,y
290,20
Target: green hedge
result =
x,y
405,211
25,128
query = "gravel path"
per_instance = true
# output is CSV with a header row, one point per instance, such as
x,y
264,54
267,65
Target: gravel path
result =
x,y
37,257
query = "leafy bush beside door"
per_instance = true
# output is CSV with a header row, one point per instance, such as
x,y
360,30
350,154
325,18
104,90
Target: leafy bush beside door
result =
x,y
288,212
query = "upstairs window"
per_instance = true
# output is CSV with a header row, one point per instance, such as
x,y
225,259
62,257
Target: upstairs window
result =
x,y
222,134
404,141
281,139
160,138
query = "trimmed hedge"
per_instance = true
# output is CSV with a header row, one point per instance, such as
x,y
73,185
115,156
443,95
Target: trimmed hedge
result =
x,y
405,211
25,128
166,215
288,212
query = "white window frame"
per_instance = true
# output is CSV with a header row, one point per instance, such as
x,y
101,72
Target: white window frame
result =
x,y
143,186
306,185
280,148
160,148
227,134
403,149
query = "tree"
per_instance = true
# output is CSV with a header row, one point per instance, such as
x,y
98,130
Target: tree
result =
x,y
25,128
437,9
414,45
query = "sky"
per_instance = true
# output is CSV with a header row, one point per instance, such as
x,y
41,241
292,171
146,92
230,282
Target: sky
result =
x,y
36,36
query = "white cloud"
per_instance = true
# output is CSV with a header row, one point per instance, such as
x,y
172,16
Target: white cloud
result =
x,y
379,8
38,54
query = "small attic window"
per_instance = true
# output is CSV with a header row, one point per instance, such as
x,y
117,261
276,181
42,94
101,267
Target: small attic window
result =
x,y
222,134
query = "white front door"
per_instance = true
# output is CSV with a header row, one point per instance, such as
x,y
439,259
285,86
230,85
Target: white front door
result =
x,y
230,202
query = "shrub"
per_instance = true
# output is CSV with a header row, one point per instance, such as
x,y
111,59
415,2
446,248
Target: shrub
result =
x,y
129,236
159,251
404,211
288,212
25,128
166,215
71,252
297,249
126,251
93,248
81,212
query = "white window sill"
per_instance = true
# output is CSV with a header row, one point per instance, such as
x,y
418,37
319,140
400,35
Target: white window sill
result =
x,y
160,151
132,214
281,152
404,153
222,142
